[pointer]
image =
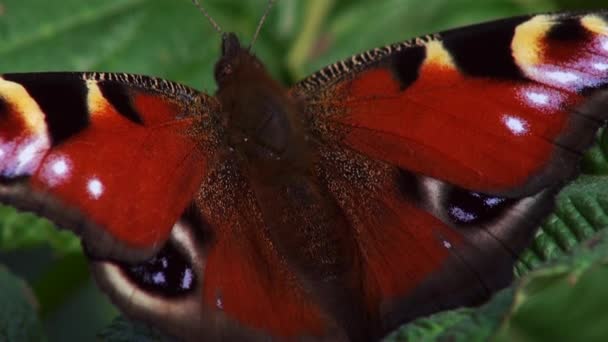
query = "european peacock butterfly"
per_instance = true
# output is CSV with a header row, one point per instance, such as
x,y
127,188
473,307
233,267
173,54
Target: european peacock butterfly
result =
x,y
396,183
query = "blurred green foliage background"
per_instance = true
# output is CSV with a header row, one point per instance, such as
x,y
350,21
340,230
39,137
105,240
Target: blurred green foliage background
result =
x,y
171,39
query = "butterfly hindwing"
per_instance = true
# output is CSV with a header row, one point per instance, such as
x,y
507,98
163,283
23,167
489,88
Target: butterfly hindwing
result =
x,y
239,287
77,146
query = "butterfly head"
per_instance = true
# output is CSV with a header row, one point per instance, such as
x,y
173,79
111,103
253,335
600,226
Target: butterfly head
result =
x,y
235,60
258,116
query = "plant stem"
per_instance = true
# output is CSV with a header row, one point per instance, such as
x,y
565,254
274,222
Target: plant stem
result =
x,y
315,14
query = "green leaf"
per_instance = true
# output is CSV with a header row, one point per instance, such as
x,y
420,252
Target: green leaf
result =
x,y
123,330
561,301
430,328
164,38
60,281
581,210
464,324
18,317
23,230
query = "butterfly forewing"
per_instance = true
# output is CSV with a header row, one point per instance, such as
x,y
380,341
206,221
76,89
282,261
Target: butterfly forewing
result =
x,y
109,156
495,107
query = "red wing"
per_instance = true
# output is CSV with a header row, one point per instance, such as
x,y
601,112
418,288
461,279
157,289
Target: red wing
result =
x,y
244,275
445,153
426,245
119,159
109,156
239,286
496,107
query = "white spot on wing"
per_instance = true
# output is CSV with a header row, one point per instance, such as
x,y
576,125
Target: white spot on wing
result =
x,y
600,66
6,162
95,188
447,244
516,125
30,156
538,98
547,100
59,167
563,77
492,201
56,169
219,303
159,278
187,279
26,154
462,215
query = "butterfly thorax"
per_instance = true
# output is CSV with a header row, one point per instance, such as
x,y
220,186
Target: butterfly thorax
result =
x,y
261,122
263,127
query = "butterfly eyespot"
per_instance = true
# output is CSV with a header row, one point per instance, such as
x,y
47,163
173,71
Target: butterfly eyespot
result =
x,y
168,273
468,208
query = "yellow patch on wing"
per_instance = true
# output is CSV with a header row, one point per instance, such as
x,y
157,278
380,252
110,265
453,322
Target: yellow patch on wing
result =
x,y
96,102
24,105
595,24
437,55
527,44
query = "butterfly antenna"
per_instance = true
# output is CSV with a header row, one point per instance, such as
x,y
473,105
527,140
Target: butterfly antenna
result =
x,y
211,21
261,23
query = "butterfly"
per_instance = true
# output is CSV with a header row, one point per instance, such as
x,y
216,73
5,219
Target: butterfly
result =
x,y
396,183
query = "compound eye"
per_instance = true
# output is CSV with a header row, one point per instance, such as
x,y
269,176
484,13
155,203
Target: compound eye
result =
x,y
223,70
